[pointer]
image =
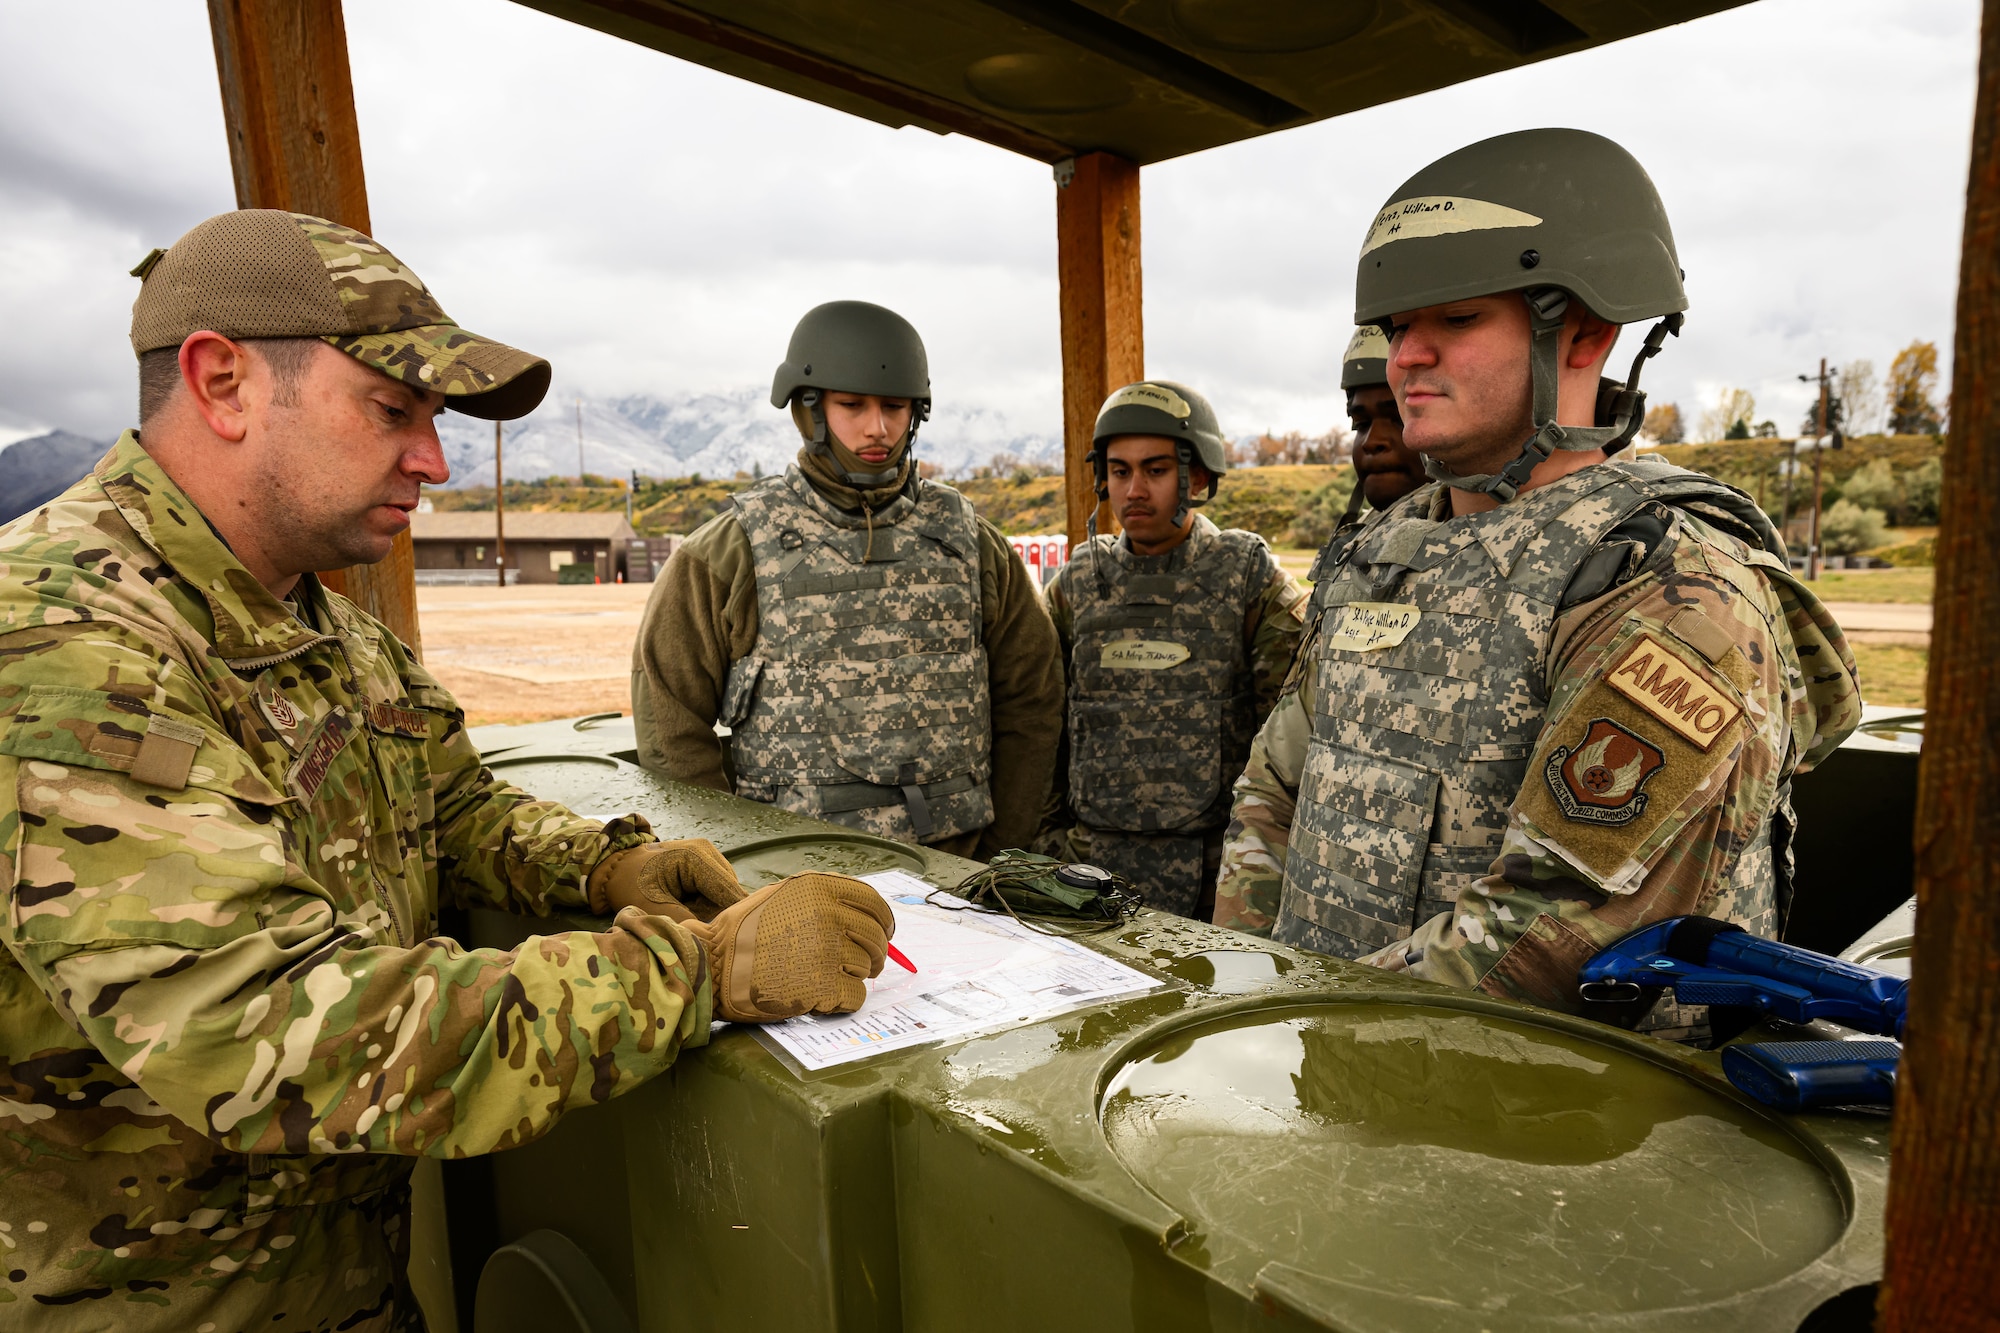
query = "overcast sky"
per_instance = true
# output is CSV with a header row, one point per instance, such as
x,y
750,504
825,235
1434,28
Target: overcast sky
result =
x,y
651,226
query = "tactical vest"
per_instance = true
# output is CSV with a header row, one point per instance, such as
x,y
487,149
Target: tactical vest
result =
x,y
865,700
1161,705
1419,749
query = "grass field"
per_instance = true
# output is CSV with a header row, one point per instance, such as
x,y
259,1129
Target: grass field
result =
x,y
1891,673
1905,586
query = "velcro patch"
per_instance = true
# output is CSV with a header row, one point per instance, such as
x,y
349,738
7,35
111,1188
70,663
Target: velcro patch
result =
x,y
1684,697
1602,778
1366,627
166,754
310,770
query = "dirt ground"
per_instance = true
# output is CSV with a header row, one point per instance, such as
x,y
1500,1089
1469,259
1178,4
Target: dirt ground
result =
x,y
525,654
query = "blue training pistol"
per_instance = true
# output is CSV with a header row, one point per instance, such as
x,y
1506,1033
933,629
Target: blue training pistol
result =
x,y
1712,962
1706,961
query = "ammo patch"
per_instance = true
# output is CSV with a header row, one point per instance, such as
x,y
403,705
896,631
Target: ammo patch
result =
x,y
1369,626
398,721
1601,779
309,771
1687,699
1142,655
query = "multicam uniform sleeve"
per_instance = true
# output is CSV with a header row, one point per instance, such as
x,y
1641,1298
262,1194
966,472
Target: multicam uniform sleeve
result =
x,y
1275,624
184,933
1678,706
497,846
1260,821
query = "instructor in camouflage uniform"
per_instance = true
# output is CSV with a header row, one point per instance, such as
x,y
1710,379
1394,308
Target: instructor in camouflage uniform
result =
x,y
878,652
1551,696
230,804
1178,635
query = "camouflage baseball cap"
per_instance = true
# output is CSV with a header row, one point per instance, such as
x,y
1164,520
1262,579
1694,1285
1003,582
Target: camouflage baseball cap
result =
x,y
267,273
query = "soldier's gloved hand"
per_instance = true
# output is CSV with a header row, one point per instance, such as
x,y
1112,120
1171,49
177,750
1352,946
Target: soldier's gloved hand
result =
x,y
804,945
681,878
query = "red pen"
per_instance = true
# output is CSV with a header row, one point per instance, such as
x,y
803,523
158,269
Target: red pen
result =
x,y
897,954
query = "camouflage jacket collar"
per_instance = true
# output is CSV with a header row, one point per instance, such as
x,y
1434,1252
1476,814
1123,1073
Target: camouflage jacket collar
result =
x,y
252,626
895,504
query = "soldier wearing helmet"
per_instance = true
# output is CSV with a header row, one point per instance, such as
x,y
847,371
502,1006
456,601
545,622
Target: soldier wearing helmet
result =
x,y
1385,468
1556,693
1177,635
878,653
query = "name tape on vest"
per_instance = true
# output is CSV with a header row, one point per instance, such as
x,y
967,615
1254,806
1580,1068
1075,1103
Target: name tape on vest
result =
x,y
1654,677
1142,655
1368,626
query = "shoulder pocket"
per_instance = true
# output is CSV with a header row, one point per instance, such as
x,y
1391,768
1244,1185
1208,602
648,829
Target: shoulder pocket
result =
x,y
120,733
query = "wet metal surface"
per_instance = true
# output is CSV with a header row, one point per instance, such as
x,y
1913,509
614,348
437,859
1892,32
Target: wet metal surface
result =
x,y
1456,1156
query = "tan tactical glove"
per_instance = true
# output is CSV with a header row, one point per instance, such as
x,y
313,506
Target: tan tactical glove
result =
x,y
802,946
680,878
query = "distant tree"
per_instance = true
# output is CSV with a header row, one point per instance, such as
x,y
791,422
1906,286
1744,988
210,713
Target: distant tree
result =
x,y
1873,487
1730,418
1835,409
1912,391
1663,424
1847,528
1922,486
1860,398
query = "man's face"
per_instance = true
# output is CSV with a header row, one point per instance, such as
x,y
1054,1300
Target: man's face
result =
x,y
339,469
867,425
1459,372
1388,468
1144,476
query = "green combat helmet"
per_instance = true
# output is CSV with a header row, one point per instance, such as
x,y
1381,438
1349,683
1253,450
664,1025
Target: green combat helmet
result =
x,y
1551,214
1366,360
1170,410
854,347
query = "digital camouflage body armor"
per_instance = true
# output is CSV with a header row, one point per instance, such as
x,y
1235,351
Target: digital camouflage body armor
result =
x,y
1421,742
1161,705
865,700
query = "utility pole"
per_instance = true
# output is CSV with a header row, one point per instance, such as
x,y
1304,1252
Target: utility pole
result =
x,y
499,510
579,441
1815,562
631,491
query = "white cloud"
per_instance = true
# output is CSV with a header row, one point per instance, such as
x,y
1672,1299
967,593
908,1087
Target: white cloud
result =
x,y
654,227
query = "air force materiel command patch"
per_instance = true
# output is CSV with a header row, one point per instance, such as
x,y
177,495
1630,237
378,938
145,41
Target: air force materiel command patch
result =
x,y
1602,779
1660,681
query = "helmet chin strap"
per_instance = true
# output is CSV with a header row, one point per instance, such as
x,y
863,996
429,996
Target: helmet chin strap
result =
x,y
1625,406
820,440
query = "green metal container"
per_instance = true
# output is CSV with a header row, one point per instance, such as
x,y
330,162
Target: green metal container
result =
x,y
1273,1140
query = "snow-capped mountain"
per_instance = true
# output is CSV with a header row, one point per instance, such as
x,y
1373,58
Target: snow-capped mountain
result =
x,y
714,434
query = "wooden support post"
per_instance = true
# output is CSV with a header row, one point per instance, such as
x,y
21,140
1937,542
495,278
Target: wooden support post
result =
x,y
499,508
1103,329
288,104
1944,1182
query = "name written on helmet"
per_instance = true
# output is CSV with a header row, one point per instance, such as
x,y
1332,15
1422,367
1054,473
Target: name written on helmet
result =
x,y
1150,395
1654,677
1441,215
